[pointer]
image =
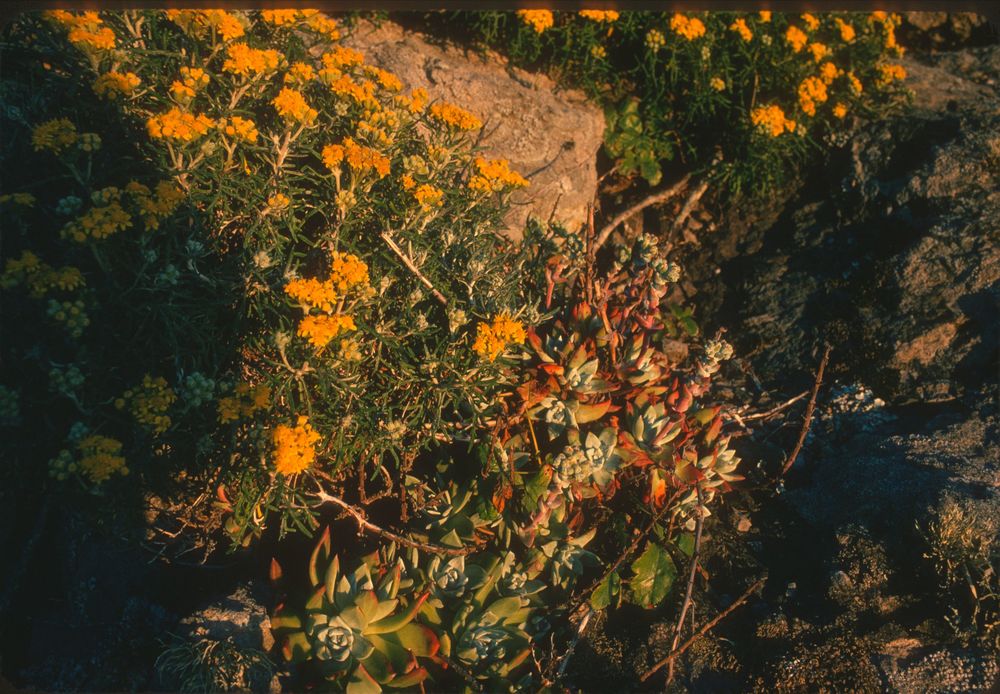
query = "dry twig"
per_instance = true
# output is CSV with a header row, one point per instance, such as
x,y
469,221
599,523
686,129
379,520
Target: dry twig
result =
x,y
690,585
413,268
653,199
757,585
365,524
809,412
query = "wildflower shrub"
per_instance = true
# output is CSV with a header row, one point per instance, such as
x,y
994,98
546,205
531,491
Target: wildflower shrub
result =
x,y
272,274
244,255
740,97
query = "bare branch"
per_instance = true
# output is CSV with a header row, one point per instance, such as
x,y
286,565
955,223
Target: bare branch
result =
x,y
699,523
366,524
757,585
413,268
653,199
809,413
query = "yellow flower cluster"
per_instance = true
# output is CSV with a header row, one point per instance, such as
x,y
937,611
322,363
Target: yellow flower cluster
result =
x,y
340,57
179,125
281,18
319,330
599,15
717,83
855,83
495,175
149,403
72,314
847,32
294,447
293,107
416,102
349,350
299,74
191,82
322,24
455,117
247,61
279,201
741,28
245,402
771,119
242,128
312,293
655,40
40,277
812,24
204,22
839,110
887,74
386,79
155,207
796,38
688,27
539,20
98,223
812,91
54,135
101,458
765,16
360,158
828,72
347,271
363,92
428,197
111,85
819,51
493,338
26,199
86,31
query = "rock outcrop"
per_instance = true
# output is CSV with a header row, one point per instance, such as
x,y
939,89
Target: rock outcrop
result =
x,y
551,137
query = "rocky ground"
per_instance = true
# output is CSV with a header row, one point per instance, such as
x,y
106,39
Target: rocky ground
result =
x,y
890,254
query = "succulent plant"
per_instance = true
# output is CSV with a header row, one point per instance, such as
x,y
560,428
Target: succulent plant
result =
x,y
357,631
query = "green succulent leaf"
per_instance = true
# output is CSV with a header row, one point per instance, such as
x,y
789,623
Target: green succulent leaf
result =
x,y
362,682
410,679
416,638
654,574
296,647
397,621
320,555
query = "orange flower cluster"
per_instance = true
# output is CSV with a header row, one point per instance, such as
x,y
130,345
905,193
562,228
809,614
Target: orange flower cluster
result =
x,y
319,330
155,207
98,223
54,135
347,271
243,128
294,447
293,107
688,27
740,27
455,117
86,30
493,338
149,403
599,15
495,175
360,158
101,458
179,125
812,91
247,61
771,119
363,92
299,74
245,402
111,85
539,20
889,74
312,293
428,197
204,22
796,38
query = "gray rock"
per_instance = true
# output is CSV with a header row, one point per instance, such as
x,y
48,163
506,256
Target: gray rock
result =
x,y
550,137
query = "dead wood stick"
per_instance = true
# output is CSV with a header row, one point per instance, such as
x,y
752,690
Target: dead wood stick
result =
x,y
661,196
705,629
366,524
690,585
413,268
809,413
689,204
776,410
